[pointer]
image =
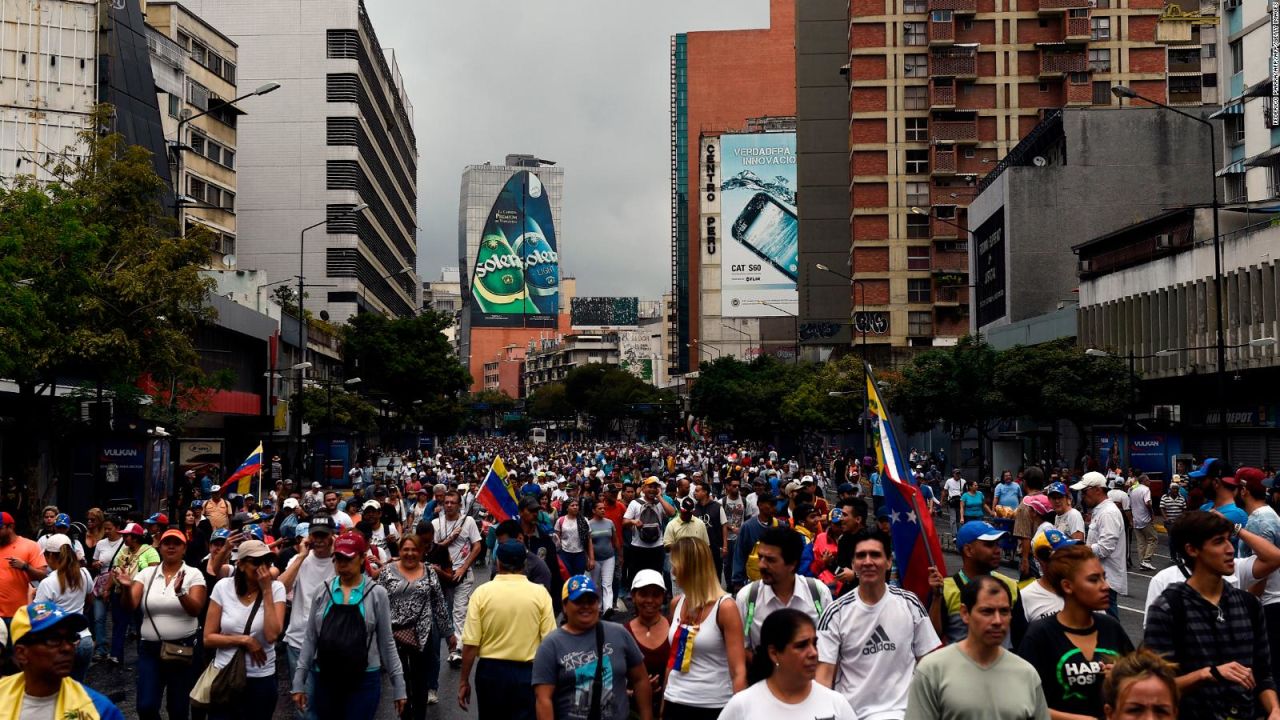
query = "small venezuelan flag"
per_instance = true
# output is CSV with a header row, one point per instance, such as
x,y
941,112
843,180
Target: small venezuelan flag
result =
x,y
682,648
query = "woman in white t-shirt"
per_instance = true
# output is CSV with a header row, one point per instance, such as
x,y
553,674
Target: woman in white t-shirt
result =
x,y
250,592
170,596
784,671
70,586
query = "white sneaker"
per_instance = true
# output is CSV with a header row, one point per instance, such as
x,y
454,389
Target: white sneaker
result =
x,y
1147,566
432,697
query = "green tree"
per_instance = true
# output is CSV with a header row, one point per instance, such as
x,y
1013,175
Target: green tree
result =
x,y
1057,381
349,411
607,394
549,402
407,362
809,407
746,397
95,283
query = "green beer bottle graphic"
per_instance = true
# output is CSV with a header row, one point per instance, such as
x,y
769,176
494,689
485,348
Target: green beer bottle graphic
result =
x,y
498,284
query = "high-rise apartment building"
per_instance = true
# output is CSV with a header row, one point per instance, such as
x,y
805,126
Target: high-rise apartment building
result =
x,y
337,134
194,67
940,91
727,82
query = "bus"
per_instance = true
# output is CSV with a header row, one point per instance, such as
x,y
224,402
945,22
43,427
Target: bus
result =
x,y
538,435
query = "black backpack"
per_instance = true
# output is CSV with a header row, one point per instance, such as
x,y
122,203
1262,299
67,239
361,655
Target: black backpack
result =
x,y
650,524
342,648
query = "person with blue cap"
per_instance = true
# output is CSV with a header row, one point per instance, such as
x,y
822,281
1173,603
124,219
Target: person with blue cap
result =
x,y
44,638
507,619
569,680
978,542
1038,599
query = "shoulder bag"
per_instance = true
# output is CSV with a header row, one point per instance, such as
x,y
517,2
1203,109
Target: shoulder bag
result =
x,y
219,686
170,651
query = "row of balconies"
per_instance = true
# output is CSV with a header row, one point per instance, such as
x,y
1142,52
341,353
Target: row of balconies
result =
x,y
1075,26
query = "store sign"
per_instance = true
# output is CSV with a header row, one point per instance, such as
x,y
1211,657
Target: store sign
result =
x,y
709,211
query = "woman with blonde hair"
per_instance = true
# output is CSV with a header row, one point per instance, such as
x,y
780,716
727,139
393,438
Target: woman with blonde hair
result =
x,y
706,637
70,585
94,520
1141,685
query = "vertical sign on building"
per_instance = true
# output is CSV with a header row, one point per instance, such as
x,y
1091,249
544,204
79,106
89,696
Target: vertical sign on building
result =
x,y
709,187
992,303
1274,115
762,243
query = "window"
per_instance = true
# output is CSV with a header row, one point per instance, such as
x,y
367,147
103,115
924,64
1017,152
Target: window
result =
x,y
1100,60
941,16
1184,89
198,143
1102,93
945,212
229,157
1078,13
1273,177
918,226
914,33
1044,87
184,40
175,106
213,151
199,52
1211,80
917,129
970,153
915,97
1209,51
918,258
1100,28
196,188
915,6
919,291
917,161
1078,78
1237,55
1102,4
966,24
1235,188
1044,23
1233,129
915,66
919,323
917,194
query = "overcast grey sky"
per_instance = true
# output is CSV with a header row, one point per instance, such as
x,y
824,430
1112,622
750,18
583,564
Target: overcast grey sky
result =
x,y
581,82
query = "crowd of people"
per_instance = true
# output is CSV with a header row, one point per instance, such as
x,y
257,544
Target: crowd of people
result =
x,y
653,581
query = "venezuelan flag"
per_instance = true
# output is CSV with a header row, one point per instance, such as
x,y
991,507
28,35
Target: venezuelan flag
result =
x,y
682,648
244,474
496,495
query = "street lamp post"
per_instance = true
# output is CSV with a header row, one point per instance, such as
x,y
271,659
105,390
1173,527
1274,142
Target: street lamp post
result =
x,y
302,314
862,291
1121,91
744,334
795,327
180,146
702,345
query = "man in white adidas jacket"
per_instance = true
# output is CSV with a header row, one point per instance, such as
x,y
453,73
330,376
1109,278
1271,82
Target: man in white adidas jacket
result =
x,y
870,639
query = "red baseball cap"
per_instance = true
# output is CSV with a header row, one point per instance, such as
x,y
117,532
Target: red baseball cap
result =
x,y
1251,478
351,544
6,518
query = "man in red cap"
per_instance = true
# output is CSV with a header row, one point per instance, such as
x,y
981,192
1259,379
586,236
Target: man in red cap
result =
x,y
1264,522
21,563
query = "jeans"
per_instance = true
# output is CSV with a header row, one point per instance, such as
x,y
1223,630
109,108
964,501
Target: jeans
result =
x,y
84,655
418,677
121,619
504,690
458,596
309,689
603,577
101,609
357,699
575,563
256,702
433,661
173,681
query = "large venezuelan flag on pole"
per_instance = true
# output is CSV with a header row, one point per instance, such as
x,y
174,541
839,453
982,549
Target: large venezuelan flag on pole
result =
x,y
244,474
496,495
915,540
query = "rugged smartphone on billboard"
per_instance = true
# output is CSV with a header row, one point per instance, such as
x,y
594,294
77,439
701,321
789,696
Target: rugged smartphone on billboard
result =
x,y
769,229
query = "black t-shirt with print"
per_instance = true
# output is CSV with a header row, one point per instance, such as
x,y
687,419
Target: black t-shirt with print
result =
x,y
1071,683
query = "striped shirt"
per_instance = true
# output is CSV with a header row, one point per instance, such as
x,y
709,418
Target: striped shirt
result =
x,y
1172,505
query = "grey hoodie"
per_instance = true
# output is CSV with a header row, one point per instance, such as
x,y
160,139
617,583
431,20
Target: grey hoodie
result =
x,y
377,623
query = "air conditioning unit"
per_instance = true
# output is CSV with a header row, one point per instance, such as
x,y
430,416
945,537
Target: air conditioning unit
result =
x,y
1164,241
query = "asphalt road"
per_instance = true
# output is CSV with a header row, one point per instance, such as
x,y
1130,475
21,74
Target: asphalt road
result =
x,y
118,683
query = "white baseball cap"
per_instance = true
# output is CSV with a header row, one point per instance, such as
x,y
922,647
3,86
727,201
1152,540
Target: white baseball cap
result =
x,y
648,577
290,503
55,542
1091,479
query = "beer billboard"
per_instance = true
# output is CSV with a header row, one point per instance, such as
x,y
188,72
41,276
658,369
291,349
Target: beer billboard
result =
x,y
515,280
760,242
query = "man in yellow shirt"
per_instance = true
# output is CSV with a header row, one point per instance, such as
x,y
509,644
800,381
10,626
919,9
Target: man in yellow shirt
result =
x,y
506,621
217,509
685,525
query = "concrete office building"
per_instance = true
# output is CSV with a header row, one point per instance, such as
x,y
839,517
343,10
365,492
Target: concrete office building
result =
x,y
194,67
822,154
940,91
520,198
1079,174
722,82
338,133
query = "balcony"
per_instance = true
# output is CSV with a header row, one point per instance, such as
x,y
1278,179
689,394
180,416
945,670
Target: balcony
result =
x,y
961,194
942,32
1057,6
1077,28
1056,63
961,7
944,229
959,61
1079,94
959,131
942,95
949,293
943,160
950,263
